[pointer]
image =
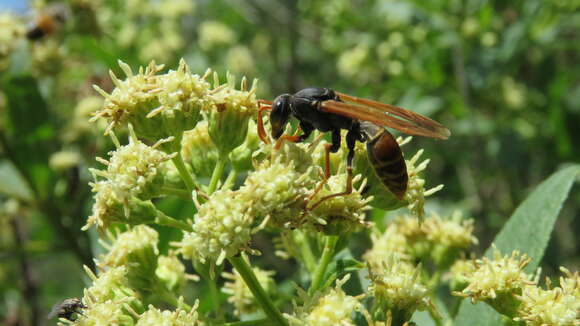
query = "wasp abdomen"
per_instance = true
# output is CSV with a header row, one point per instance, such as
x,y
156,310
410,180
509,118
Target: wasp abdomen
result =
x,y
387,159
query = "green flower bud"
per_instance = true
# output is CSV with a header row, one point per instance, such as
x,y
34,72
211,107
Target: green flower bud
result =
x,y
108,208
198,149
112,285
132,100
228,120
137,250
241,157
182,97
398,291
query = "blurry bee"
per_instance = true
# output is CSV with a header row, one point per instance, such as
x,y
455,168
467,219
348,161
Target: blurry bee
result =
x,y
67,308
47,22
329,111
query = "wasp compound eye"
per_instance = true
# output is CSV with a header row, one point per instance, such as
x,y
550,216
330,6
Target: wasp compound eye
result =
x,y
279,115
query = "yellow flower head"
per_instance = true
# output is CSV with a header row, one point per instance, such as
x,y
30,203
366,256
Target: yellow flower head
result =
x,y
554,306
136,249
497,281
178,317
222,229
135,172
398,289
334,307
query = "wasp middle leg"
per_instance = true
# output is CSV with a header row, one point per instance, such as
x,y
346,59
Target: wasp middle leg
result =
x,y
351,137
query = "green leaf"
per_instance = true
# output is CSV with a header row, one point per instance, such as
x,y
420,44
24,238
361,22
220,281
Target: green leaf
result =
x,y
527,230
13,184
29,133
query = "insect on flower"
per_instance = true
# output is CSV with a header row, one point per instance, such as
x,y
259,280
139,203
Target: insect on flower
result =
x,y
67,308
47,22
364,119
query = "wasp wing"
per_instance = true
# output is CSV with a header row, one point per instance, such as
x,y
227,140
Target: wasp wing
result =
x,y
387,115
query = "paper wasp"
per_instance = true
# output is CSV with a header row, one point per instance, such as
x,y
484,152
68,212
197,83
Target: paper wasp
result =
x,y
67,308
329,111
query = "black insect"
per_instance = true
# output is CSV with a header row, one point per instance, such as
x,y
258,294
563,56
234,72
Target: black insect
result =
x,y
67,309
330,111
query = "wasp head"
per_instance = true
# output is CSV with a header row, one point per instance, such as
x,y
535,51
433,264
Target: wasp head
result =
x,y
280,114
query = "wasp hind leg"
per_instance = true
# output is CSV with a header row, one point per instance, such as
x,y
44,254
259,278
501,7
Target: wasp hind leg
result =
x,y
351,139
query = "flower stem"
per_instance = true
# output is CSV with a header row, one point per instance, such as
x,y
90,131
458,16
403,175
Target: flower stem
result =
x,y
172,191
218,171
185,175
215,297
260,295
305,250
230,180
327,254
163,219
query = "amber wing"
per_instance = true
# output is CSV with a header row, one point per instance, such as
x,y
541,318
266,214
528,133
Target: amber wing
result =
x,y
386,115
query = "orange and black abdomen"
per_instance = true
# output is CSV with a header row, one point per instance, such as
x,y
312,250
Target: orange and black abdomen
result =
x,y
387,160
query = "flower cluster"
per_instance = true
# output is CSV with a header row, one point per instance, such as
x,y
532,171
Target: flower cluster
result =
x,y
441,240
398,290
201,130
222,228
503,283
333,307
135,173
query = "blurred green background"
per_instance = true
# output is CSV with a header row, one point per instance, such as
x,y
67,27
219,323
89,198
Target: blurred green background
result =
x,y
503,76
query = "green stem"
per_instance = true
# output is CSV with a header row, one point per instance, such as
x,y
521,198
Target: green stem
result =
x,y
327,254
172,191
305,250
434,280
260,295
256,322
185,175
215,297
218,171
230,180
163,219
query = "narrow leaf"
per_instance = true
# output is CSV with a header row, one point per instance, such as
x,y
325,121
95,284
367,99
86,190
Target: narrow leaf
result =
x,y
527,230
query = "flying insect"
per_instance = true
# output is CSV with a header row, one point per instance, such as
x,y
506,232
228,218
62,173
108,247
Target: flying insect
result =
x,y
330,111
67,308
47,22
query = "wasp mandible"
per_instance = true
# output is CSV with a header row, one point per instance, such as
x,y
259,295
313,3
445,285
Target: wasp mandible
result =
x,y
330,111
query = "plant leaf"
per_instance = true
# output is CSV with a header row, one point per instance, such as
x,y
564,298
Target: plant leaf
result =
x,y
527,230
13,184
